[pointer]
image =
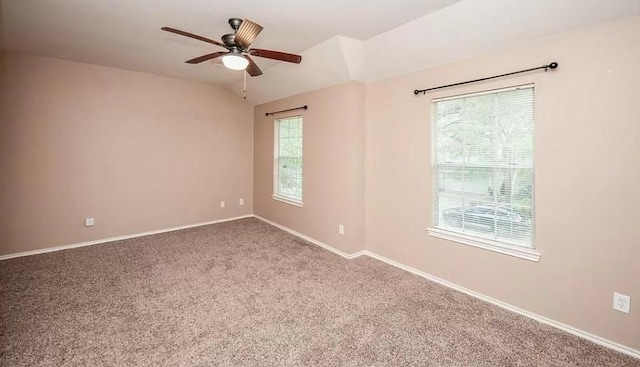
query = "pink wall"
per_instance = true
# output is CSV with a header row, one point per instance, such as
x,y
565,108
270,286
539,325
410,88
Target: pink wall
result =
x,y
140,152
333,150
587,192
136,151
587,189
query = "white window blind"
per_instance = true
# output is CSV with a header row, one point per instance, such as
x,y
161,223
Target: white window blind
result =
x,y
288,159
483,168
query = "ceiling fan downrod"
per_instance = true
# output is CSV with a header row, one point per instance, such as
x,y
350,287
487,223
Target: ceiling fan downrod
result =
x,y
235,23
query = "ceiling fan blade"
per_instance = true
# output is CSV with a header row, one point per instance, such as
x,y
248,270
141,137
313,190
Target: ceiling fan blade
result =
x,y
252,68
246,33
194,36
203,58
276,55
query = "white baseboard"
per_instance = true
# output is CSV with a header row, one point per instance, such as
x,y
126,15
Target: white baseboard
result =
x,y
569,329
118,238
312,240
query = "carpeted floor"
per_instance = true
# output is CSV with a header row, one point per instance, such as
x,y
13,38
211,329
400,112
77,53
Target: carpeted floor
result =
x,y
245,293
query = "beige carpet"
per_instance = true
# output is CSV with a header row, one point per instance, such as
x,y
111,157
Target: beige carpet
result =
x,y
245,293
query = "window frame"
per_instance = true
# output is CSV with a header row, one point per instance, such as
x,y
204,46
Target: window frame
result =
x,y
527,253
276,195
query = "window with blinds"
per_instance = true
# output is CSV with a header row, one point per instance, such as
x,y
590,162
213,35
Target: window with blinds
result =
x,y
483,168
288,160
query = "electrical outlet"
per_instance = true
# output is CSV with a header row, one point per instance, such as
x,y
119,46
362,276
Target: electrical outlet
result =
x,y
89,222
340,229
621,302
241,201
222,204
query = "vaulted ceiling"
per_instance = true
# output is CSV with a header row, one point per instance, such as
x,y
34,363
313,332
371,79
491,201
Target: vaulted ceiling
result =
x,y
339,40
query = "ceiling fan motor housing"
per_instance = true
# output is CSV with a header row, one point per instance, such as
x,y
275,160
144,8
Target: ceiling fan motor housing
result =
x,y
229,40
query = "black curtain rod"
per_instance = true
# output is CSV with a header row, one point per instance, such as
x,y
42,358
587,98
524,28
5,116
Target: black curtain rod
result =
x,y
552,65
291,109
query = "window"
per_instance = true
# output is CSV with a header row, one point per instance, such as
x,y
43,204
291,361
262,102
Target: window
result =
x,y
483,171
287,175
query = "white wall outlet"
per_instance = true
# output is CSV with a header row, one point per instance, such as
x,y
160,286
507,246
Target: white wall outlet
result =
x,y
222,204
89,222
241,201
621,302
340,229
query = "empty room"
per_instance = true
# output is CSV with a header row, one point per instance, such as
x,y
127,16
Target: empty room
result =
x,y
320,183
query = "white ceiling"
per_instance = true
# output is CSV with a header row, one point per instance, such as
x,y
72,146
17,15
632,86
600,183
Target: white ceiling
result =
x,y
474,27
339,40
126,33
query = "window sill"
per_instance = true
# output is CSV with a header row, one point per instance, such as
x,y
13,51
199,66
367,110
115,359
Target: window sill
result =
x,y
287,200
511,250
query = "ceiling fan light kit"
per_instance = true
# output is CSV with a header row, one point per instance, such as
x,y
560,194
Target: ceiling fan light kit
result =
x,y
234,61
238,45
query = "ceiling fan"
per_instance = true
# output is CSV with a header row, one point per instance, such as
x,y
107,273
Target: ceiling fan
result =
x,y
238,45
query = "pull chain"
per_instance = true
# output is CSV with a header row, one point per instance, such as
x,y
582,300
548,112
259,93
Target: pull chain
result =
x,y
244,89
